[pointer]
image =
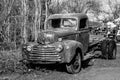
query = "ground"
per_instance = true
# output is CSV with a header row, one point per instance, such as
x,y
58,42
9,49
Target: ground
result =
x,y
100,70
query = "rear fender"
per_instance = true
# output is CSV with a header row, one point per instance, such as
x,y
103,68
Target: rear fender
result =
x,y
70,49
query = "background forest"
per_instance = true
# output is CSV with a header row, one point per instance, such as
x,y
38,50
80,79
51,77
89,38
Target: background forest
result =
x,y
21,20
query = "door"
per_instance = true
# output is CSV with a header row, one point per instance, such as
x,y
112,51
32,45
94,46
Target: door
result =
x,y
84,36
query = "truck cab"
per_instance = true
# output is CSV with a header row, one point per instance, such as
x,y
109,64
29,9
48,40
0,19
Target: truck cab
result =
x,y
67,27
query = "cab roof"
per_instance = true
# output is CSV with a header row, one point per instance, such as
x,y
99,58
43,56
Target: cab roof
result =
x,y
68,15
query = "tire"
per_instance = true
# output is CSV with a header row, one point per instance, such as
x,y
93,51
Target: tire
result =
x,y
118,38
104,49
75,65
112,50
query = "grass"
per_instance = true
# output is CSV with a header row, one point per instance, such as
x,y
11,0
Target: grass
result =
x,y
9,62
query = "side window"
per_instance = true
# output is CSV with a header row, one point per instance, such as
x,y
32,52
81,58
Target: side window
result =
x,y
83,23
56,23
53,23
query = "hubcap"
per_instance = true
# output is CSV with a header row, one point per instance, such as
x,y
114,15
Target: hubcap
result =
x,y
114,53
77,62
106,54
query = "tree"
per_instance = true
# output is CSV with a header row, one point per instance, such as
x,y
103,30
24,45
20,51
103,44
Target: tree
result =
x,y
74,6
114,8
94,6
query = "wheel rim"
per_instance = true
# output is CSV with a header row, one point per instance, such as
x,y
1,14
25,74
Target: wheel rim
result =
x,y
114,53
106,54
77,63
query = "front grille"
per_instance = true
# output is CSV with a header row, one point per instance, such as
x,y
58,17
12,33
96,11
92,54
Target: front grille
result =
x,y
44,53
41,49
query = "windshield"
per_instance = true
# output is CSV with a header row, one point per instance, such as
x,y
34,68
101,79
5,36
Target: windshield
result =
x,y
62,23
69,22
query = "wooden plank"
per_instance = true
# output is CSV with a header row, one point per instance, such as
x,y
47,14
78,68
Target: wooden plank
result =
x,y
95,39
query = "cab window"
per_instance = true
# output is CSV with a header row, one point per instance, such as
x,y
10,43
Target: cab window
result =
x,y
83,23
69,22
61,23
54,23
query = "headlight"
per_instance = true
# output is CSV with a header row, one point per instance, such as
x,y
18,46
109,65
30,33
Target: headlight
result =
x,y
60,39
59,48
29,48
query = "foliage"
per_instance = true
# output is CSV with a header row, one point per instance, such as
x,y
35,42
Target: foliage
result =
x,y
73,6
20,22
9,62
114,9
94,6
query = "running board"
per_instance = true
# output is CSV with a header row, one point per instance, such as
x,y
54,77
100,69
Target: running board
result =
x,y
90,55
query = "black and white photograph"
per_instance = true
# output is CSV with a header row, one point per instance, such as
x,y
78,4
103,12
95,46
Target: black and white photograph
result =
x,y
59,39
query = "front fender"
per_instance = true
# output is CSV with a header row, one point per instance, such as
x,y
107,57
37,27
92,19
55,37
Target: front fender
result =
x,y
70,49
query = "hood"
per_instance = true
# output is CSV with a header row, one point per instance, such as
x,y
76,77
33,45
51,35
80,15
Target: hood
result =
x,y
64,32
50,36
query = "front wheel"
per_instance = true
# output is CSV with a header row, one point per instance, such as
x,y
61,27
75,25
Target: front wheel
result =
x,y
75,65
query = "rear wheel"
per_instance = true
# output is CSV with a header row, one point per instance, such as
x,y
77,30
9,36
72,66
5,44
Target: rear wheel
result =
x,y
75,65
104,49
118,38
109,49
112,49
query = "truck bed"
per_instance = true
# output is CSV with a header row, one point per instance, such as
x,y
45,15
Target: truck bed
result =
x,y
95,39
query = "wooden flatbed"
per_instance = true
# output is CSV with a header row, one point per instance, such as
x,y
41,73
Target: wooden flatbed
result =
x,y
95,39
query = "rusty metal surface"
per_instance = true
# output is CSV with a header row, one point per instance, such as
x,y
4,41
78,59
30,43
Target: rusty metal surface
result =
x,y
69,15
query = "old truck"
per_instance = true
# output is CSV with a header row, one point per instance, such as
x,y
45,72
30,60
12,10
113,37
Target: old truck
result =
x,y
66,40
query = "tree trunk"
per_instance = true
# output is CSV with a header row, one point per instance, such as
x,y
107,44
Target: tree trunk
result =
x,y
24,24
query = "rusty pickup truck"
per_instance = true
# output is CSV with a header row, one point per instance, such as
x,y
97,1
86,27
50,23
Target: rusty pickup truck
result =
x,y
66,39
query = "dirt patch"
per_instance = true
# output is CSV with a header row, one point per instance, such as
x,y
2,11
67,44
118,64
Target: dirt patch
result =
x,y
102,74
